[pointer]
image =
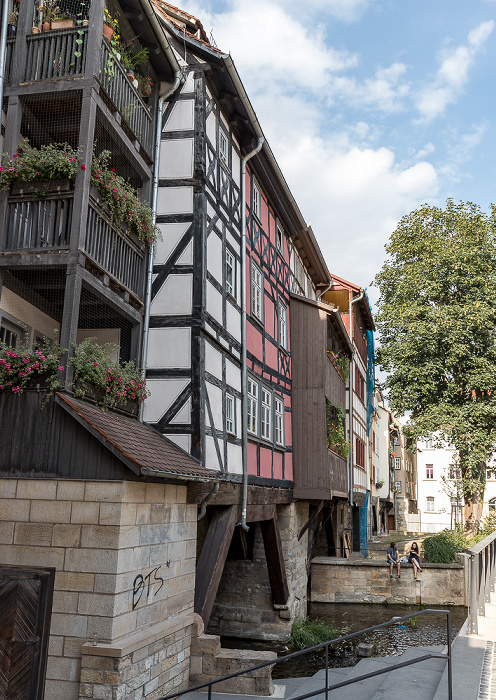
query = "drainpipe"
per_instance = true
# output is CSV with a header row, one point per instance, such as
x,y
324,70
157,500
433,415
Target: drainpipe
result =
x,y
149,274
244,373
3,48
352,377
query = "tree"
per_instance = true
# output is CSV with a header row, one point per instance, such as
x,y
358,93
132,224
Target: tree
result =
x,y
437,331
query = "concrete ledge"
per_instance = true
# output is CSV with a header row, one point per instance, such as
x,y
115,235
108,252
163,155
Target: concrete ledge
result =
x,y
136,641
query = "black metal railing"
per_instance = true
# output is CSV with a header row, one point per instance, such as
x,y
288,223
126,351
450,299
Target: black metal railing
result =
x,y
125,97
326,688
56,54
482,574
39,223
114,251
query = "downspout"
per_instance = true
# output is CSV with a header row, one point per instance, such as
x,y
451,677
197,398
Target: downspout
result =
x,y
244,372
352,376
149,274
3,49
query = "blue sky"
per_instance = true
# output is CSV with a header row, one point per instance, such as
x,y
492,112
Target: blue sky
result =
x,y
372,107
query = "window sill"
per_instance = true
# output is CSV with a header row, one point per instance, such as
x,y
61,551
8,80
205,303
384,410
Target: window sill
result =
x,y
258,321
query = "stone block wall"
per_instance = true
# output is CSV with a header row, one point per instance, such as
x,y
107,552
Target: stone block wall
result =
x,y
345,581
124,554
243,606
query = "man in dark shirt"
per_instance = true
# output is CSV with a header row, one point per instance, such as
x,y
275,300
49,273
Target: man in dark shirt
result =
x,y
393,558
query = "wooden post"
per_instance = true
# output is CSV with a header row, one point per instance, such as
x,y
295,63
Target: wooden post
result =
x,y
212,559
275,561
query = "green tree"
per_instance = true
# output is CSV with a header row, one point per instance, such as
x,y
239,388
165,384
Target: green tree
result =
x,y
437,330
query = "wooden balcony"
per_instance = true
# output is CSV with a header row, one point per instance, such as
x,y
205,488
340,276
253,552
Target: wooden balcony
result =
x,y
40,225
52,54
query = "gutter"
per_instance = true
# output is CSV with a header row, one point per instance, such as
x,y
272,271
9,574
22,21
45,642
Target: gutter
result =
x,y
173,475
244,369
352,375
3,48
158,30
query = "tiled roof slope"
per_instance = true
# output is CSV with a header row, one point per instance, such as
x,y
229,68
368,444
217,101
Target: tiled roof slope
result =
x,y
140,447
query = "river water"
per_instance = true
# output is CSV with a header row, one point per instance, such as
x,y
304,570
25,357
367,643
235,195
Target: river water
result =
x,y
389,641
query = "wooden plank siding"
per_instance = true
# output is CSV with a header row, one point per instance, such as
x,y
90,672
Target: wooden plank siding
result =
x,y
319,473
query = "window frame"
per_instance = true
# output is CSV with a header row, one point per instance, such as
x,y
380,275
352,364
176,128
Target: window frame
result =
x,y
282,324
397,486
256,199
397,463
430,501
254,268
230,414
223,153
279,417
230,262
253,399
265,413
429,471
280,239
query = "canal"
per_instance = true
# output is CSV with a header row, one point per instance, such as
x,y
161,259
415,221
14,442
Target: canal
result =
x,y
389,641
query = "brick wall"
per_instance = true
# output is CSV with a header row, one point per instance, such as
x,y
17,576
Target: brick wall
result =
x,y
124,554
243,606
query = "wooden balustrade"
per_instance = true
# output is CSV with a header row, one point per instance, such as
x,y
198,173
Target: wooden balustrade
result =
x,y
125,98
9,50
39,223
53,54
114,251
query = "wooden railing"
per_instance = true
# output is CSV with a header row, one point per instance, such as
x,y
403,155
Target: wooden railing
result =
x,y
125,98
8,58
39,223
53,54
114,251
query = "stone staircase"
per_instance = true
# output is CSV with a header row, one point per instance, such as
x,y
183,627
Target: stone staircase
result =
x,y
378,545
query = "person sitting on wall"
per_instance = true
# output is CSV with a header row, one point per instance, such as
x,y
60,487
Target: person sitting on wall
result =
x,y
414,558
393,559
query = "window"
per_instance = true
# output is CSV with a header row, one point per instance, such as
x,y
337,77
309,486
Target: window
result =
x,y
256,292
230,274
454,473
256,200
279,418
9,335
408,488
280,240
490,474
397,486
429,504
428,443
230,415
359,384
397,462
223,146
359,453
429,471
492,504
397,441
266,414
283,325
252,412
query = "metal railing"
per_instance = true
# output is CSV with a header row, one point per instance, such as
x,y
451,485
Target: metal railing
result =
x,y
39,223
125,98
56,54
326,688
114,251
482,568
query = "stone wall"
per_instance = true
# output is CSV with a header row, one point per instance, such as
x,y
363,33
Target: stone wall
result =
x,y
124,554
243,606
344,581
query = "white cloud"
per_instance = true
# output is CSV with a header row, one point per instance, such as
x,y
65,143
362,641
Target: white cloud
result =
x,y
385,91
344,10
452,74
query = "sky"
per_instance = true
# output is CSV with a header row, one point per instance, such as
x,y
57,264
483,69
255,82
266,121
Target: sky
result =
x,y
371,107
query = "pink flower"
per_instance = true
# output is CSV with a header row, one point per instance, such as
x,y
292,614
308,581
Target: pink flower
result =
x,y
60,368
96,364
83,167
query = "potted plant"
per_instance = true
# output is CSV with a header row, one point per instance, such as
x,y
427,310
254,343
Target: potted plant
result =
x,y
23,368
63,20
110,25
37,171
379,484
12,23
146,87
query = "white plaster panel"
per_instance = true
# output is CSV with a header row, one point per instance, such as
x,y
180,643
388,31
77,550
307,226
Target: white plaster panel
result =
x,y
182,116
175,200
210,210
224,343
28,314
211,459
213,361
214,302
176,158
232,241
163,393
182,441
226,123
215,261
183,415
171,235
186,258
189,84
233,321
212,129
234,459
233,375
236,167
209,329
175,297
215,396
169,348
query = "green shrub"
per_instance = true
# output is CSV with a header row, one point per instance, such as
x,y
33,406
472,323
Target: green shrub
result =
x,y
487,526
442,548
308,633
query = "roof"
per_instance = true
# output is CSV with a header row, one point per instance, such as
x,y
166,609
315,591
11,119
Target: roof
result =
x,y
141,448
340,282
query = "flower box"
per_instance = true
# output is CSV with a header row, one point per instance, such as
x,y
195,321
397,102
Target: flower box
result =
x,y
96,395
65,23
41,188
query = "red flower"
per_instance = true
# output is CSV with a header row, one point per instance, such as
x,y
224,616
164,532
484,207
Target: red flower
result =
x,y
83,167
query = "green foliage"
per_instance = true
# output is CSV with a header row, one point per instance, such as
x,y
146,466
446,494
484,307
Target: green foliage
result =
x,y
308,633
94,369
487,526
442,547
336,438
437,328
55,161
19,366
342,363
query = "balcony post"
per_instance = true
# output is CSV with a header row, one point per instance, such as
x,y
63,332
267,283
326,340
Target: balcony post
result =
x,y
95,31
20,48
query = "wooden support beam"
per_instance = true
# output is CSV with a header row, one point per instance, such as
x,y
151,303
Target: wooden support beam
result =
x,y
275,561
212,559
230,494
311,520
258,513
